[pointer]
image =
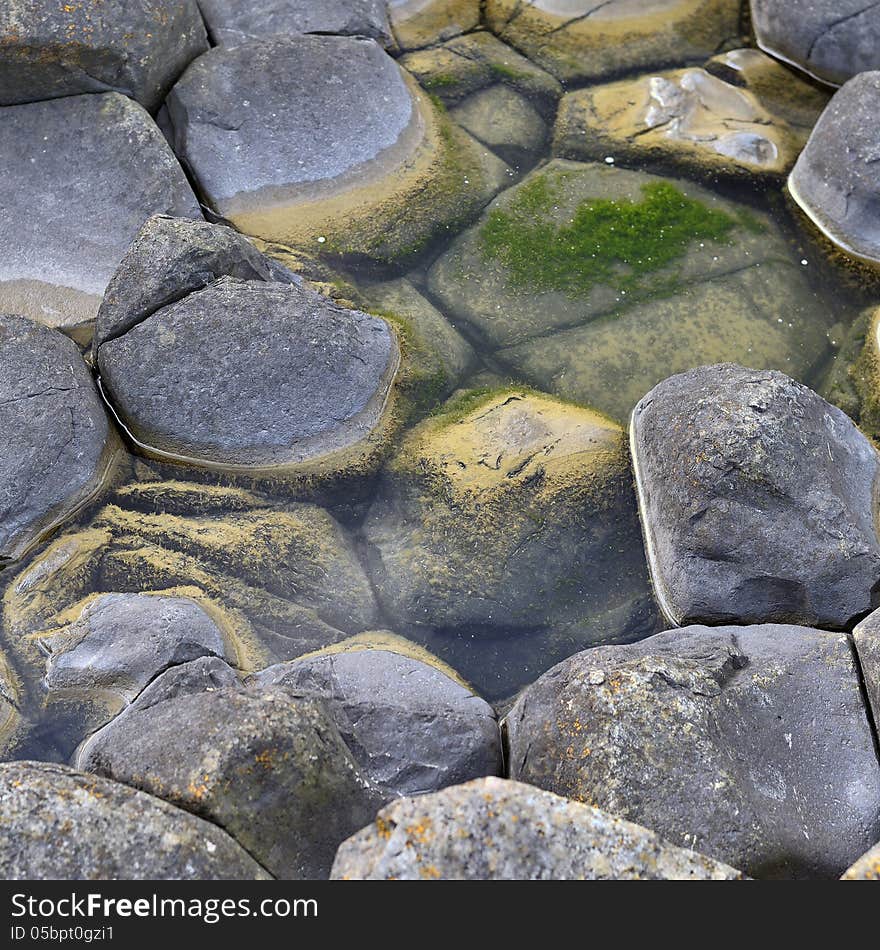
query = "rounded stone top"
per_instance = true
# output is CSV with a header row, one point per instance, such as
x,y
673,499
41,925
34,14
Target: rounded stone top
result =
x,y
250,375
291,113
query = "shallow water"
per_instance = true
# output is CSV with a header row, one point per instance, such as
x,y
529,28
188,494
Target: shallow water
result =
x,y
497,664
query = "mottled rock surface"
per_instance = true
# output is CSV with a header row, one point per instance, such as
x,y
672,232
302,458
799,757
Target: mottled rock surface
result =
x,y
230,22
418,23
370,167
739,473
492,829
829,39
749,744
254,375
867,868
579,40
866,636
410,727
269,769
170,258
507,514
136,47
505,121
81,175
57,445
59,824
837,177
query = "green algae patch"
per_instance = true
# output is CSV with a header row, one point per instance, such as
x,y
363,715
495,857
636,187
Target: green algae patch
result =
x,y
617,241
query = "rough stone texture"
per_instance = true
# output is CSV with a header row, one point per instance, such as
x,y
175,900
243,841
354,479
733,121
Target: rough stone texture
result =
x,y
492,829
81,175
471,63
837,177
854,379
506,122
59,824
136,47
451,357
255,376
508,521
230,22
579,40
269,769
689,117
278,581
170,258
831,40
750,744
740,472
57,446
867,868
419,23
410,727
369,168
866,636
744,297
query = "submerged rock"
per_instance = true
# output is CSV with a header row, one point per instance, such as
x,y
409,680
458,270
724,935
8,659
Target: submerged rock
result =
x,y
100,167
279,581
136,47
230,22
831,40
370,168
510,514
504,121
409,725
751,744
867,868
580,40
59,824
689,117
492,829
169,259
419,23
267,767
57,448
255,376
837,177
739,473
866,637
593,282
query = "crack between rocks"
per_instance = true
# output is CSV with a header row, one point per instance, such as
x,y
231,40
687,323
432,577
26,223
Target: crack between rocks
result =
x,y
578,19
830,27
873,725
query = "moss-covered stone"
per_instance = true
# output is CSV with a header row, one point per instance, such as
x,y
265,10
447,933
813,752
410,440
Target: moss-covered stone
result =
x,y
510,515
865,376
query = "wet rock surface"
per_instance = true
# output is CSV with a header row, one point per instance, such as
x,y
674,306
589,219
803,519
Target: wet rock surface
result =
x,y
100,167
739,472
269,769
409,725
59,824
230,22
510,512
829,39
291,378
384,187
835,180
749,744
418,23
58,446
493,829
866,637
135,47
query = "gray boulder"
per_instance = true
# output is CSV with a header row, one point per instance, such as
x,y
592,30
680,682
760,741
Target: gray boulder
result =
x,y
170,258
59,824
136,47
831,40
836,179
81,175
57,446
492,829
230,22
757,500
866,636
410,727
252,375
750,744
268,768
